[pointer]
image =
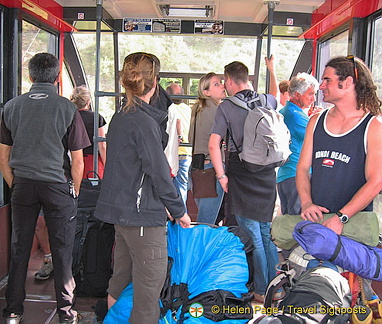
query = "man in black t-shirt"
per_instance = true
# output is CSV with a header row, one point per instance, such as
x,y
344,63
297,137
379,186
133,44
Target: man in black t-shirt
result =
x,y
38,129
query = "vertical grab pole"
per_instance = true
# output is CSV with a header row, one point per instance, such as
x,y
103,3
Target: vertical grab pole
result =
x,y
271,10
257,63
116,70
96,138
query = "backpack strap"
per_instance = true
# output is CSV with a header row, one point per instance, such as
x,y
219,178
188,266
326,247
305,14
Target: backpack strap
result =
x,y
283,280
242,104
259,101
86,214
238,102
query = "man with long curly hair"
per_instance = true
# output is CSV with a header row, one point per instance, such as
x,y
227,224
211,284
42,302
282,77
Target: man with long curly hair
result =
x,y
343,146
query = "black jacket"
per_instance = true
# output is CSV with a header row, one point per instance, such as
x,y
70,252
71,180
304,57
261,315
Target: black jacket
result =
x,y
135,157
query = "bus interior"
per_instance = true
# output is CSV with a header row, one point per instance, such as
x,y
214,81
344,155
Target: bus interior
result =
x,y
191,38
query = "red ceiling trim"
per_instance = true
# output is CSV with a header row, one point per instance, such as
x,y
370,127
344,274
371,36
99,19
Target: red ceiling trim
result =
x,y
334,13
46,10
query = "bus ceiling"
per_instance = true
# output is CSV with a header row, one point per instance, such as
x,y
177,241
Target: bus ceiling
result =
x,y
291,18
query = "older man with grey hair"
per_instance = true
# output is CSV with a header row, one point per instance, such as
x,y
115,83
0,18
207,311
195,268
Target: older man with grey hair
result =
x,y
302,91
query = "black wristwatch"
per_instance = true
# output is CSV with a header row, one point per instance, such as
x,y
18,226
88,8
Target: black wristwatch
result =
x,y
343,218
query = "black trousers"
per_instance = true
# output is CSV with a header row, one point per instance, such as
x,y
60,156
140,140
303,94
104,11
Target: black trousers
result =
x,y
60,209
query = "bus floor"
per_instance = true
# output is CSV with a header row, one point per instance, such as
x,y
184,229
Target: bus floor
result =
x,y
40,302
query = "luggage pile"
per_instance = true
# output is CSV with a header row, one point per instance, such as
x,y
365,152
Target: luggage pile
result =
x,y
208,268
326,281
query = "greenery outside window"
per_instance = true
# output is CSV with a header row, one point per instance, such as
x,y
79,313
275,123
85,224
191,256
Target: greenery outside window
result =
x,y
334,46
376,64
183,54
34,40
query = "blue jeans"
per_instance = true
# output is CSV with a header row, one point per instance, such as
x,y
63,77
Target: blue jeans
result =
x,y
181,179
289,199
208,208
265,256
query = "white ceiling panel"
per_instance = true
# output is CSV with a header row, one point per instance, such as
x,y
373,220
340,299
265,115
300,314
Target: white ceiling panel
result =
x,y
227,10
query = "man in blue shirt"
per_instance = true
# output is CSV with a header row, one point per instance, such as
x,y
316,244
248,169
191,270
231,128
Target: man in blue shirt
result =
x,y
302,91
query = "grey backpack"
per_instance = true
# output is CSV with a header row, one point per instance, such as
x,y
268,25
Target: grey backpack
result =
x,y
266,137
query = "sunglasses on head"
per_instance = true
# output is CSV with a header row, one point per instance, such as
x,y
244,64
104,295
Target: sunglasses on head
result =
x,y
351,58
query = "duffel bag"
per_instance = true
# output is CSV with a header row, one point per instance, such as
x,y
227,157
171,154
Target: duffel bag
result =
x,y
325,244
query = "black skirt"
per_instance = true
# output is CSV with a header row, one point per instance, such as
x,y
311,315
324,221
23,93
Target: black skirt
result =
x,y
250,194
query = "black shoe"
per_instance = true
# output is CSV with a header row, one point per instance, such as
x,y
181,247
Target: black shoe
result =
x,y
100,309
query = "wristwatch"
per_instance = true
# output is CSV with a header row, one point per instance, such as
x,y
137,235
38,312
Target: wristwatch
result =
x,y
343,218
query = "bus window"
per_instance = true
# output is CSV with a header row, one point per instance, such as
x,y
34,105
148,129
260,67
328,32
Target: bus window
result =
x,y
376,66
184,58
191,54
67,84
34,40
165,82
286,52
332,47
85,42
376,63
2,63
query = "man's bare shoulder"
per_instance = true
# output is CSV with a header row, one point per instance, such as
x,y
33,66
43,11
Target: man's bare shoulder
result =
x,y
376,123
378,119
375,129
312,121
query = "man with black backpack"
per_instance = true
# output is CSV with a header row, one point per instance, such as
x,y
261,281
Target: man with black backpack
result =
x,y
251,187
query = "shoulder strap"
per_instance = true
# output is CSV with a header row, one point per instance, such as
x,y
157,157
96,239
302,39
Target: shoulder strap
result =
x,y
238,102
194,134
260,101
283,280
86,214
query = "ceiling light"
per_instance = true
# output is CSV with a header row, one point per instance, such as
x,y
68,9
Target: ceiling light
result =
x,y
277,30
179,11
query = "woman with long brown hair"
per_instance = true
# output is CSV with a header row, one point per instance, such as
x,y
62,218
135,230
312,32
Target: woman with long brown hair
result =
x,y
210,93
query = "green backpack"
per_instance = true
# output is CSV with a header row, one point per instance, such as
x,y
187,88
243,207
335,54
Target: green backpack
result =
x,y
362,227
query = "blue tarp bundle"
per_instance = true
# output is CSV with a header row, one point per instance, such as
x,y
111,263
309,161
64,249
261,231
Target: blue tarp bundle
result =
x,y
208,266
324,244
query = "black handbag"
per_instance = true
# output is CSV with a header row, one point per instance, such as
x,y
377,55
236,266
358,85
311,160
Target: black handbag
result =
x,y
89,191
198,161
203,180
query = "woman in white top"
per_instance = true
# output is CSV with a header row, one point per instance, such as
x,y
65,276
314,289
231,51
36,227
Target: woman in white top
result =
x,y
210,93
